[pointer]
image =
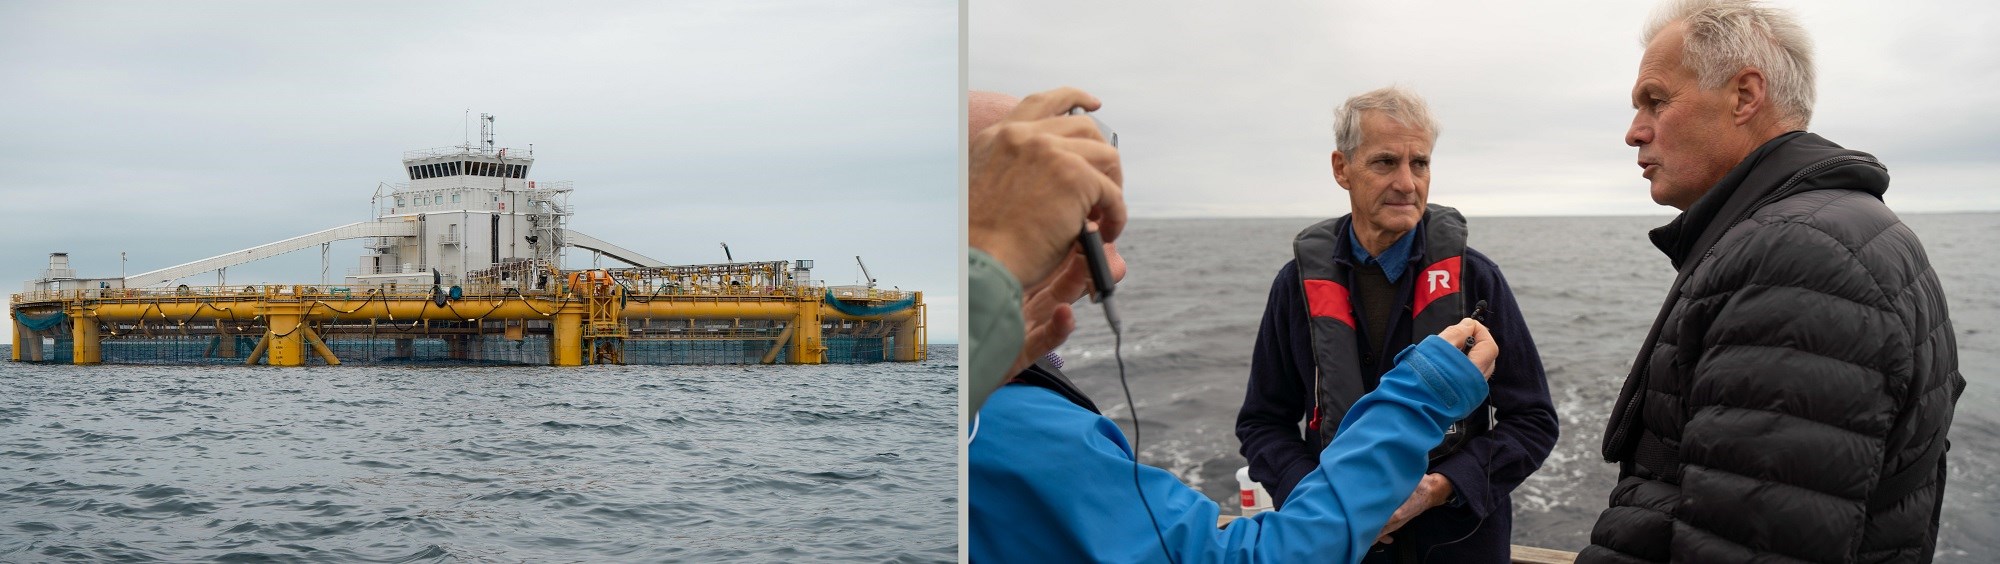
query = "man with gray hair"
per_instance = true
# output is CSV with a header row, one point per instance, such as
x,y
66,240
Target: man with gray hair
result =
x,y
1791,400
1366,285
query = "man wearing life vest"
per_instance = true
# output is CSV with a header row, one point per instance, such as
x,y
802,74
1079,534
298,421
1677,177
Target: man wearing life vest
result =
x,y
1367,285
1050,479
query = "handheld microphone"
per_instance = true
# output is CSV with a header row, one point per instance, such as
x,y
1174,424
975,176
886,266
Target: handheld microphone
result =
x,y
1479,315
1093,243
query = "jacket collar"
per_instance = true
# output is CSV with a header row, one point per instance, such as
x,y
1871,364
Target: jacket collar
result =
x,y
1760,174
1348,250
1394,260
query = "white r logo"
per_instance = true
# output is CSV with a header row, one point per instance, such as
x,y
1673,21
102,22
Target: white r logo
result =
x,y
1440,278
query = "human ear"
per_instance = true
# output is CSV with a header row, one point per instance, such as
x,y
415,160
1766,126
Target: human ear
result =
x,y
1340,169
1750,95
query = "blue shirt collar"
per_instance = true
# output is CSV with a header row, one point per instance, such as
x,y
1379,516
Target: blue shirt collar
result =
x,y
1394,259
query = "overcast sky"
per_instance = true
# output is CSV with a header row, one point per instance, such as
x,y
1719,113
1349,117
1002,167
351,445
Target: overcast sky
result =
x,y
791,130
1226,108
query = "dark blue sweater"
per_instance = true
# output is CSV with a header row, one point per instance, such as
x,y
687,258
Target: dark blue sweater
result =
x,y
1483,474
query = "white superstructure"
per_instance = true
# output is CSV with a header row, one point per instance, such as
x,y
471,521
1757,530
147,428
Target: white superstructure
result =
x,y
475,210
467,213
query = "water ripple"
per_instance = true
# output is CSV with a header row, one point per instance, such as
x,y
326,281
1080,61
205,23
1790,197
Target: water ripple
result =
x,y
448,464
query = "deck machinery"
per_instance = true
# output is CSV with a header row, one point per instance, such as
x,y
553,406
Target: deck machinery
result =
x,y
464,265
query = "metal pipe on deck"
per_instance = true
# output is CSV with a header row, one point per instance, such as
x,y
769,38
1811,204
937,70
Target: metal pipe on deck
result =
x,y
718,309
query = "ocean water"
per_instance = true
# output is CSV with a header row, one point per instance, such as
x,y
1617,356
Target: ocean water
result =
x,y
1196,290
480,464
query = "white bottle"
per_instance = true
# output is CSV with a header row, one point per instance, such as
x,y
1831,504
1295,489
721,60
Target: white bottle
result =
x,y
1253,498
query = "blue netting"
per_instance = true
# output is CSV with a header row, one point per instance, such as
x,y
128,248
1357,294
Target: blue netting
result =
x,y
855,350
869,311
64,351
43,323
698,351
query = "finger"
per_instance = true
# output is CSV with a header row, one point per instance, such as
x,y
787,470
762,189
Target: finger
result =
x,y
1485,355
1053,102
1072,127
1063,125
1044,335
1100,155
1072,284
1109,210
1458,332
1117,262
1485,350
1103,199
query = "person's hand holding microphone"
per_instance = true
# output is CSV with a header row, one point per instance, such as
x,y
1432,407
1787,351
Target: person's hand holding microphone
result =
x,y
1035,177
1483,350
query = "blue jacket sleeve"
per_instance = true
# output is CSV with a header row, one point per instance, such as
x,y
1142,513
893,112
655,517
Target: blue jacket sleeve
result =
x,y
1275,400
1051,482
1372,466
1486,471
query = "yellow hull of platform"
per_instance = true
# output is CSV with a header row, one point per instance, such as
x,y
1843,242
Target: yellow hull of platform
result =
x,y
581,322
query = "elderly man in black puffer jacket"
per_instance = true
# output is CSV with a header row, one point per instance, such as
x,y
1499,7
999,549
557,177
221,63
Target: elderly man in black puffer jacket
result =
x,y
1792,399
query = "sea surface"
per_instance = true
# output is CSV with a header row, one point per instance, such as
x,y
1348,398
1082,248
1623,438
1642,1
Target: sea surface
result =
x,y
480,464
1196,290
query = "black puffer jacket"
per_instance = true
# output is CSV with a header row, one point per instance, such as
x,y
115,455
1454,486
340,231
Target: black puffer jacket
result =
x,y
1786,403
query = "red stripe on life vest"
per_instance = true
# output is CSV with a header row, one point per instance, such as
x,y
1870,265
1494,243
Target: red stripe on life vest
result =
x,y
1324,298
1438,280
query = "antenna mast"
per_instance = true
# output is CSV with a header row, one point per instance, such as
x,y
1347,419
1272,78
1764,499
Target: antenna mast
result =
x,y
486,133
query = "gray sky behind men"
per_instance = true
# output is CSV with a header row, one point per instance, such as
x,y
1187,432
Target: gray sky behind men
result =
x,y
177,131
1226,109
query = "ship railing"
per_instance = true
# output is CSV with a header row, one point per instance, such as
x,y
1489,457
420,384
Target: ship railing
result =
x,y
458,150
274,291
545,186
724,291
866,293
533,187
389,269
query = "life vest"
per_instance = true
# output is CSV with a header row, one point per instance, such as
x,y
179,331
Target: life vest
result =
x,y
1438,303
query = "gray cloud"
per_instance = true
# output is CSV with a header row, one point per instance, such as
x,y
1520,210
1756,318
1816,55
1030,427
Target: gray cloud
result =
x,y
788,129
1225,109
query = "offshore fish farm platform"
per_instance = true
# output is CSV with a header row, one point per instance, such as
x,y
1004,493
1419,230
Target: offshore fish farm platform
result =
x,y
464,265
